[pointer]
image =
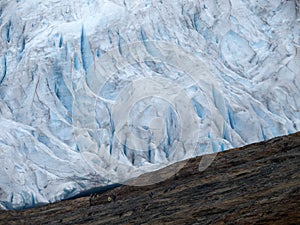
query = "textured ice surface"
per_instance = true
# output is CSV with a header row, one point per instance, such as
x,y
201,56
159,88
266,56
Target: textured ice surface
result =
x,y
96,92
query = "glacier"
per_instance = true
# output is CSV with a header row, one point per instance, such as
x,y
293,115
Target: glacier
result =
x,y
94,93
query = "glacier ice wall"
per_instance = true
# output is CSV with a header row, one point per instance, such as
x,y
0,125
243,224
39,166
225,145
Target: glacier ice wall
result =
x,y
96,92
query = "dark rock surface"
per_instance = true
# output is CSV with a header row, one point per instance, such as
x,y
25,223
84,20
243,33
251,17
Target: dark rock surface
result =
x,y
258,183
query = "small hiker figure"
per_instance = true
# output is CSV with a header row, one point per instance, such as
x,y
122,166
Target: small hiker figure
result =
x,y
114,197
151,194
90,199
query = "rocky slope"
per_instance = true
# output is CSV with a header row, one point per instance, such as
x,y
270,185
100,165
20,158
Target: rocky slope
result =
x,y
258,183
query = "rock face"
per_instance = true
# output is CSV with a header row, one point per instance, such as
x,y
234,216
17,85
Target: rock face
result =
x,y
94,93
259,183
